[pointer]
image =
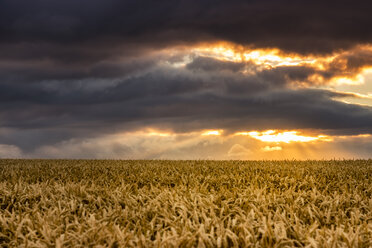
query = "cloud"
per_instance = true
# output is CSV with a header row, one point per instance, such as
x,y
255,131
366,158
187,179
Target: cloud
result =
x,y
238,152
10,151
209,65
300,26
134,145
204,94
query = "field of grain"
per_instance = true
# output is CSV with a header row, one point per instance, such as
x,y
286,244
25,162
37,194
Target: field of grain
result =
x,y
81,203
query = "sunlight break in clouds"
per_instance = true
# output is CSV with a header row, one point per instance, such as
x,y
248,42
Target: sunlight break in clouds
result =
x,y
324,66
212,132
286,136
267,57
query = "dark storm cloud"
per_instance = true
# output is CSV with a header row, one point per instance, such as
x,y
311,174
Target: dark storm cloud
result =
x,y
117,82
210,64
300,26
37,71
215,96
350,62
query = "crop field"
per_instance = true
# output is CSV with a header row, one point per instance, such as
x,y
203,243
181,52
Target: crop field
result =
x,y
151,203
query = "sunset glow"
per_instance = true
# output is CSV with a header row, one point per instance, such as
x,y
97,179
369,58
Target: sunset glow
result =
x,y
285,137
356,80
271,58
266,57
272,148
212,133
153,132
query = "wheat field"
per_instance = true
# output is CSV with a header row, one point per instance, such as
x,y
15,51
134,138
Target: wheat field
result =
x,y
151,203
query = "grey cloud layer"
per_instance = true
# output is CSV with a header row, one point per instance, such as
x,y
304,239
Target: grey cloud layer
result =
x,y
205,94
301,26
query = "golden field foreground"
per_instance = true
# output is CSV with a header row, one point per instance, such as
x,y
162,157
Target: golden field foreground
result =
x,y
72,203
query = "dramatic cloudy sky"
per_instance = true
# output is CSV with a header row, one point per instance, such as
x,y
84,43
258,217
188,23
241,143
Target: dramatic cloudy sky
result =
x,y
188,79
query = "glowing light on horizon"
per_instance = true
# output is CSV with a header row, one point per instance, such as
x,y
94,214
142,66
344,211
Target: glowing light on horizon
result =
x,y
285,137
212,133
275,137
271,149
152,132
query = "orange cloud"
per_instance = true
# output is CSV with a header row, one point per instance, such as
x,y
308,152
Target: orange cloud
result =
x,y
346,67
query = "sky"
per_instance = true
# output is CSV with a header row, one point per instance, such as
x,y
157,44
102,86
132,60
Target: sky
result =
x,y
185,79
